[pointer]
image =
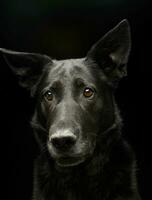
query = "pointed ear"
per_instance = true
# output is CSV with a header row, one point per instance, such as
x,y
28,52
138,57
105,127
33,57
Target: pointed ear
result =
x,y
27,66
111,51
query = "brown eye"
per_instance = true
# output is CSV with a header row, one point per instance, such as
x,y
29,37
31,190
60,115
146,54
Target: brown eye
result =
x,y
88,92
48,95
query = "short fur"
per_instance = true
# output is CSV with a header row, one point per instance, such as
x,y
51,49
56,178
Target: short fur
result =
x,y
83,155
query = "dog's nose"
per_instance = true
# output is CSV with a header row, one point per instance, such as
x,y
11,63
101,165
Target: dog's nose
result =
x,y
63,142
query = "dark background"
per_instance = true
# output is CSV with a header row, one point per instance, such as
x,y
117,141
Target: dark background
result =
x,y
65,29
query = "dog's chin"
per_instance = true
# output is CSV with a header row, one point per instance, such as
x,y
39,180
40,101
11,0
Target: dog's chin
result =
x,y
69,161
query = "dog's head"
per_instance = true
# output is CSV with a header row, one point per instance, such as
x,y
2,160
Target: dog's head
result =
x,y
74,97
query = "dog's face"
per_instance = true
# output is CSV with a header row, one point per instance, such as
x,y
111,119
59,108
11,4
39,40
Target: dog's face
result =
x,y
71,101
74,97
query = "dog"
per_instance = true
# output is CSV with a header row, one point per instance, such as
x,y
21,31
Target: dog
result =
x,y
77,123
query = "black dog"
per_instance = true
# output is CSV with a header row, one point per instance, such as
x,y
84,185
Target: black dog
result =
x,y
77,123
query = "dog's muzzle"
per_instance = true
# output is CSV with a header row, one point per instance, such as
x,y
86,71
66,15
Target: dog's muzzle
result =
x,y
63,147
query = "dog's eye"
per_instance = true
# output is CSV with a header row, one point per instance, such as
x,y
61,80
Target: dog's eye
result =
x,y
48,95
88,92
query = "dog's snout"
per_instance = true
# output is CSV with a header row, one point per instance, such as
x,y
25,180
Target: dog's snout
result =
x,y
63,141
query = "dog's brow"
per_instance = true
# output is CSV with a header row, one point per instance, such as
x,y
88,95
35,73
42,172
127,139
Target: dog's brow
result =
x,y
77,68
56,84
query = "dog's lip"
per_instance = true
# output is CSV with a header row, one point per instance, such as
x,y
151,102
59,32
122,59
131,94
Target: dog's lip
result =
x,y
69,161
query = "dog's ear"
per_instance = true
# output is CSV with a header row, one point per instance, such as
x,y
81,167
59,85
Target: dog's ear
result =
x,y
112,50
27,66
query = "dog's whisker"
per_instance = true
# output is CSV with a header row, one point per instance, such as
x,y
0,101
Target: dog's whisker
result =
x,y
39,128
44,148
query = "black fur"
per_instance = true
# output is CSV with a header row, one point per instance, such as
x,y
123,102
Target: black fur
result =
x,y
83,155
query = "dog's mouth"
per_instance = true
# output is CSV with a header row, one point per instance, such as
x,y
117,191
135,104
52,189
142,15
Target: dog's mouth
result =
x,y
69,161
76,155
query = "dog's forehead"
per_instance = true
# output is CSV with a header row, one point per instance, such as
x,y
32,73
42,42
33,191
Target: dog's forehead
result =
x,y
68,68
